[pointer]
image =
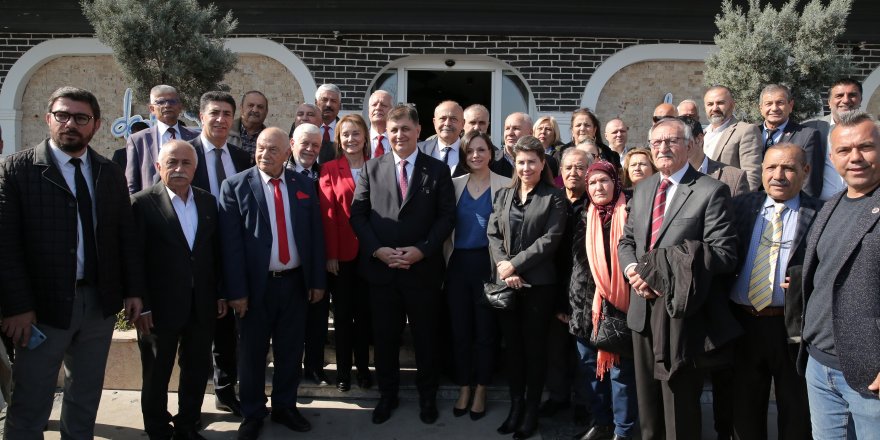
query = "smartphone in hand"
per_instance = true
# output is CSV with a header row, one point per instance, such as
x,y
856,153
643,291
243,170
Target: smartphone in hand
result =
x,y
37,338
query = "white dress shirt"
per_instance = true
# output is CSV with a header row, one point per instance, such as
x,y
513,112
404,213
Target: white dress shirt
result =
x,y
187,214
374,137
712,136
674,180
704,167
210,164
452,157
269,193
332,130
68,171
410,167
164,135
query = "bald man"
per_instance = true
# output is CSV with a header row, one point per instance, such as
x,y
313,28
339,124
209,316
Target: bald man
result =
x,y
476,117
448,122
516,125
664,110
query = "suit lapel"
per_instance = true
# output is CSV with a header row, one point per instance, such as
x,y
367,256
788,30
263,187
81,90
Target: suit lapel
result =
x,y
256,184
166,209
806,214
293,196
860,226
154,147
722,142
682,192
201,174
419,178
44,157
345,174
203,209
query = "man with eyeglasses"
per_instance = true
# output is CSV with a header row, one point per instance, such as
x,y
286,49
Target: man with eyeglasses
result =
x,y
772,227
142,148
728,140
70,262
776,105
678,207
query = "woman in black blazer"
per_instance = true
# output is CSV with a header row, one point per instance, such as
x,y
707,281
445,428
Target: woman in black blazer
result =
x,y
525,228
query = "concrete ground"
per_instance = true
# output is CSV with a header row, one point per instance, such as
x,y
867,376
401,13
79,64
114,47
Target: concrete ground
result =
x,y
119,418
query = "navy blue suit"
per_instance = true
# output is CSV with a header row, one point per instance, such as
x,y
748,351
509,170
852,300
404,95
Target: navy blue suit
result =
x,y
276,306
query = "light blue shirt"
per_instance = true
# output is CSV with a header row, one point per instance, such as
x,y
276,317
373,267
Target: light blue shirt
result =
x,y
740,292
68,171
776,136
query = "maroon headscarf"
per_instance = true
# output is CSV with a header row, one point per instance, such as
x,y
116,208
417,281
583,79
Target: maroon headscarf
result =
x,y
607,210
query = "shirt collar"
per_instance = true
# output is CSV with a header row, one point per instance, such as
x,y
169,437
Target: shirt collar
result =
x,y
793,204
411,159
704,165
63,158
298,168
374,134
173,195
779,129
208,146
163,127
676,177
267,177
455,145
721,127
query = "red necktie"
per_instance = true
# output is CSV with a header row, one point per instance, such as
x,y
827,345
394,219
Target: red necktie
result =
x,y
326,139
402,180
173,132
659,210
281,223
380,150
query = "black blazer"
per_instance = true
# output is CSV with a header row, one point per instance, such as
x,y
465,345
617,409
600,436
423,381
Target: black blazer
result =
x,y
38,237
748,207
542,231
810,140
424,219
241,160
181,283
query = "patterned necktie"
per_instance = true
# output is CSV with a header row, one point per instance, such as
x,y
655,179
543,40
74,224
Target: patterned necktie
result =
x,y
172,132
770,142
380,149
280,223
763,275
402,180
659,211
446,155
84,207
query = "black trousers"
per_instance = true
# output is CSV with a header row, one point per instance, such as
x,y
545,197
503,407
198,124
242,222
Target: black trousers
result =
x,y
351,319
763,354
668,409
473,323
561,361
225,353
316,333
158,350
525,333
389,305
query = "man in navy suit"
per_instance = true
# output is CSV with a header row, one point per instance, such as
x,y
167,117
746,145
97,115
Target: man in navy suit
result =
x,y
403,210
142,148
448,120
274,265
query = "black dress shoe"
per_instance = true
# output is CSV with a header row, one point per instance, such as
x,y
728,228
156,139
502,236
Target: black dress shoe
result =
x,y
620,437
383,409
529,423
428,410
365,379
250,429
458,412
477,415
598,433
514,417
318,377
581,415
228,403
291,418
343,385
187,435
550,407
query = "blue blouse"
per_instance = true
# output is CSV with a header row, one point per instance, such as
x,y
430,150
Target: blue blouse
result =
x,y
472,217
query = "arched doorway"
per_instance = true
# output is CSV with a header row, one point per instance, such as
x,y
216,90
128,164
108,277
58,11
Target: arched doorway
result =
x,y
428,80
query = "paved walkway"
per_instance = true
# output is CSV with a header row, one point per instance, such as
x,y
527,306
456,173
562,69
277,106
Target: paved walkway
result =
x,y
119,418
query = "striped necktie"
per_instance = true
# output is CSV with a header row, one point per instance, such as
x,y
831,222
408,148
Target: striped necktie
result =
x,y
763,275
659,211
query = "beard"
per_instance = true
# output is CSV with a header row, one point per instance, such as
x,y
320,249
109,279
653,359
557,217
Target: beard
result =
x,y
71,141
716,119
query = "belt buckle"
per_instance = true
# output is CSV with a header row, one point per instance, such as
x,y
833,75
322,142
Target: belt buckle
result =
x,y
277,273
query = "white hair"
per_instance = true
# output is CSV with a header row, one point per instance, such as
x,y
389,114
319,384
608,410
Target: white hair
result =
x,y
327,88
306,129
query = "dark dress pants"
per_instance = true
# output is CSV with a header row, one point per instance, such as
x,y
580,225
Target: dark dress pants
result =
x,y
316,332
473,323
561,362
225,354
389,305
158,350
351,319
525,333
763,354
280,317
668,409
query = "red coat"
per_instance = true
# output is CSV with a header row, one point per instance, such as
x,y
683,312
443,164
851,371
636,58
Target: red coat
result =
x,y
336,190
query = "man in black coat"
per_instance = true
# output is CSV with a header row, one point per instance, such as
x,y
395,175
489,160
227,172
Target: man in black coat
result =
x,y
401,227
177,227
69,257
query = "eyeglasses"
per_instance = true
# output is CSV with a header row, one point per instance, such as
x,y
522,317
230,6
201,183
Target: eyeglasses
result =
x,y
659,118
164,102
672,142
79,118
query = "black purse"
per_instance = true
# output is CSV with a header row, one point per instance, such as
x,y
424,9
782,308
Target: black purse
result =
x,y
499,296
612,334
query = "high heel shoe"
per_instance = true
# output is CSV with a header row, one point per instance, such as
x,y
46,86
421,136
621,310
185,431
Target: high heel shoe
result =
x,y
529,423
458,412
477,415
514,417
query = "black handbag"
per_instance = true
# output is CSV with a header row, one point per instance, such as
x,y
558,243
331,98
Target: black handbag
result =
x,y
612,334
499,296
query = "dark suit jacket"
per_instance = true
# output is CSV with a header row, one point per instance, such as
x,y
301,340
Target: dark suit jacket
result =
x,y
698,211
241,160
748,208
424,219
810,140
38,237
856,308
500,165
739,145
542,232
142,150
182,283
733,177
336,192
246,230
119,157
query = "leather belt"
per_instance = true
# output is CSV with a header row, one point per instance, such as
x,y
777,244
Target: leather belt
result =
x,y
282,273
766,312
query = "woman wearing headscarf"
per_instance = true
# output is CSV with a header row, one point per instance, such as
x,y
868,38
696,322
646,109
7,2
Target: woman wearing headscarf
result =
x,y
599,288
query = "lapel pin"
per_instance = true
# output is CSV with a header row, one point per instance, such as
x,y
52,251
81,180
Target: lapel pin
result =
x,y
875,210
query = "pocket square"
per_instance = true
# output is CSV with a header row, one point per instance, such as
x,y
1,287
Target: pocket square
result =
x,y
301,195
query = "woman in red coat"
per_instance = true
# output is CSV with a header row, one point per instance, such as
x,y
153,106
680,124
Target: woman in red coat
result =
x,y
351,306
